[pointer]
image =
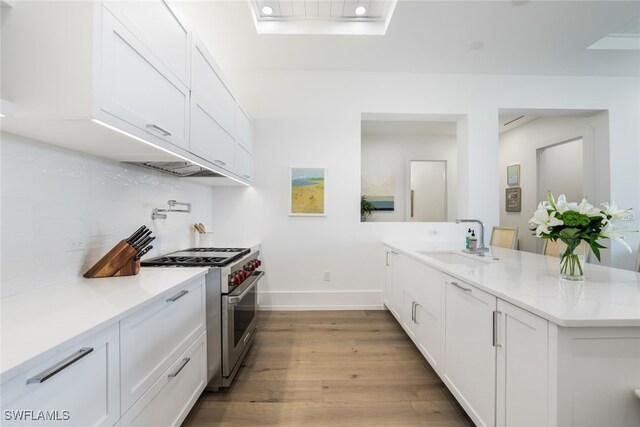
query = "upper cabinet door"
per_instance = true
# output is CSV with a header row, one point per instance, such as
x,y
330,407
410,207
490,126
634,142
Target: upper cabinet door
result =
x,y
156,24
244,163
209,90
244,129
138,89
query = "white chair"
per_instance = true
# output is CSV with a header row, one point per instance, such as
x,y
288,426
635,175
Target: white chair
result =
x,y
504,237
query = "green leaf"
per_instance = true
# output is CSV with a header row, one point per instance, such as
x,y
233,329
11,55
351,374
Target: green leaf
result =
x,y
569,233
596,250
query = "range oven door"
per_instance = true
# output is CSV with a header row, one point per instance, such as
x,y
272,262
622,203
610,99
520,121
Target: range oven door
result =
x,y
239,317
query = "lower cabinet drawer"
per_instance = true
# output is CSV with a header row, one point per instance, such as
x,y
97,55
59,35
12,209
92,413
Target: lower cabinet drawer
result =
x,y
152,338
171,397
78,386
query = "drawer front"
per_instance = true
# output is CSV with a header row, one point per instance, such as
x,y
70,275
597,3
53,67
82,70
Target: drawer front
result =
x,y
173,395
134,86
208,139
156,24
84,393
213,95
152,338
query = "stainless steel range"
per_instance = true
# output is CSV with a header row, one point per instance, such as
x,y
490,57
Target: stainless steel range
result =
x,y
232,304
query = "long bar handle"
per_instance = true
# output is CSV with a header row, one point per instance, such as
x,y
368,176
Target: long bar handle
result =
x,y
177,296
467,290
495,328
220,162
45,375
158,129
184,363
413,306
415,312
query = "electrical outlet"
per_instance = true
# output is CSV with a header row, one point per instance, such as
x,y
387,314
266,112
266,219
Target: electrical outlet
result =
x,y
75,243
327,276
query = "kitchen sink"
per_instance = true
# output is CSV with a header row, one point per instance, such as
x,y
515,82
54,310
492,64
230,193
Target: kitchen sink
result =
x,y
456,258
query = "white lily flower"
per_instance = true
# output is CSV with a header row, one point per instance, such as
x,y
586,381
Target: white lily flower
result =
x,y
588,209
543,220
562,205
609,232
613,211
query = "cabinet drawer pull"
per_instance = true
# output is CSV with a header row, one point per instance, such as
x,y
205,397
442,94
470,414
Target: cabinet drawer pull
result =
x,y
247,176
158,129
220,162
495,329
413,311
467,290
45,375
177,296
184,363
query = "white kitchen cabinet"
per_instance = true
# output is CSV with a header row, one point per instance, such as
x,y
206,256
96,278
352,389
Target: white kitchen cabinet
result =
x,y
160,28
153,337
469,353
389,288
244,163
139,89
134,92
244,129
213,111
78,385
522,389
169,399
409,315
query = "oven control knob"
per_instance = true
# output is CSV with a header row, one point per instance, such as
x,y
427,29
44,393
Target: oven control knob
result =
x,y
248,266
245,274
237,279
259,262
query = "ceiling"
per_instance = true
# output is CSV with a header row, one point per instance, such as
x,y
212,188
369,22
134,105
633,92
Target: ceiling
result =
x,y
470,37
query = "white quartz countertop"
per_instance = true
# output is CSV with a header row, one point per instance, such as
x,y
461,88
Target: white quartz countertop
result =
x,y
608,296
36,322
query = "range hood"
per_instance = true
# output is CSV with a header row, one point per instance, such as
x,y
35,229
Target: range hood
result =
x,y
180,169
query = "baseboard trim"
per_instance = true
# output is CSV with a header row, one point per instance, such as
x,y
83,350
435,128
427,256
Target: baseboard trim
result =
x,y
320,300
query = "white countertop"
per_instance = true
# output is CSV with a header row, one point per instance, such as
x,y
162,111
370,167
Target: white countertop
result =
x,y
35,322
608,296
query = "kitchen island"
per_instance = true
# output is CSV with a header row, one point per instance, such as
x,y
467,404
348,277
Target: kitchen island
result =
x,y
515,344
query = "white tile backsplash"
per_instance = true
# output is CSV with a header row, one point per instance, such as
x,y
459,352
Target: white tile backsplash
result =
x,y
50,194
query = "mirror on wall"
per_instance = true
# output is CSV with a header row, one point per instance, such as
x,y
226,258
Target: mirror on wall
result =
x,y
408,168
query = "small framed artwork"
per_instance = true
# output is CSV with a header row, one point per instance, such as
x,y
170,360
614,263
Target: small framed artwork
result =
x,y
513,199
513,174
307,191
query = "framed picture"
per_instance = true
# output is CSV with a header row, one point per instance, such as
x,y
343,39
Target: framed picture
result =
x,y
307,192
513,174
513,199
379,191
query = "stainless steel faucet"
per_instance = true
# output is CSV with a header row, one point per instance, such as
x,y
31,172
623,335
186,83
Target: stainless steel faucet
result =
x,y
482,247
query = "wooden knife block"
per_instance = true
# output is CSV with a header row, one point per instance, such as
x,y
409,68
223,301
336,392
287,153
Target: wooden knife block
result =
x,y
119,261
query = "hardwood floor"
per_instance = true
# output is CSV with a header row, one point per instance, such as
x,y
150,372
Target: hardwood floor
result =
x,y
328,368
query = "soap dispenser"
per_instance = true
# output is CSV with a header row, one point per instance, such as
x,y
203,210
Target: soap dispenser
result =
x,y
466,246
473,241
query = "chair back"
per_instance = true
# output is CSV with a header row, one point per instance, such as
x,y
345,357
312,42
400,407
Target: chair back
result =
x,y
504,237
554,249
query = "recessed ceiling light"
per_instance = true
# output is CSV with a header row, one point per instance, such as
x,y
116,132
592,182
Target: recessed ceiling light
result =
x,y
361,10
267,10
477,45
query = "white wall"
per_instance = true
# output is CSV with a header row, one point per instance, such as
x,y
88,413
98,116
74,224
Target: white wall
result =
x,y
521,144
313,119
50,194
388,155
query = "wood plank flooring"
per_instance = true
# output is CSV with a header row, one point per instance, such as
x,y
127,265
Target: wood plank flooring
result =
x,y
331,368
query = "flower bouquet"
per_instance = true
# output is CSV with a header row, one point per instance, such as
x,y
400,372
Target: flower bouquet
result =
x,y
573,223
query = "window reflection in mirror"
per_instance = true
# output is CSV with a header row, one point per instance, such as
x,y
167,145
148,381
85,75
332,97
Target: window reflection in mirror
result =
x,y
405,153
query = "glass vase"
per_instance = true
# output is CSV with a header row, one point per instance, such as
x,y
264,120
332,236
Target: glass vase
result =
x,y
572,261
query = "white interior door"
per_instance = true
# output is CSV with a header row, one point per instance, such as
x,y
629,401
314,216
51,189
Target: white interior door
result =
x,y
428,191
